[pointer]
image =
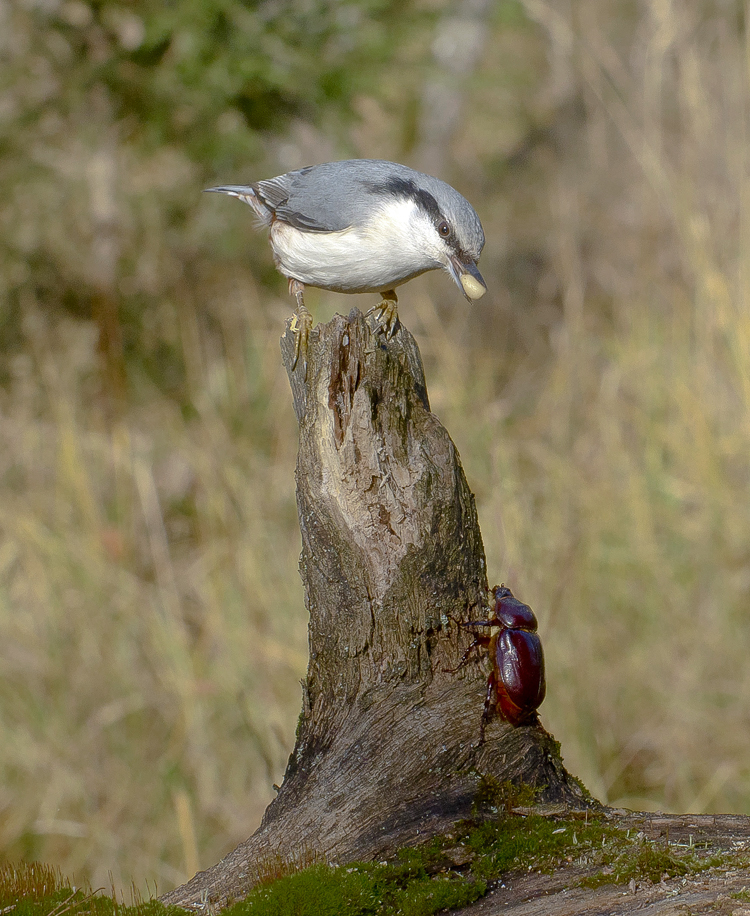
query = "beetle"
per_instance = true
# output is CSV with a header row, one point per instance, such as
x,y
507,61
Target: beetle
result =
x,y
516,686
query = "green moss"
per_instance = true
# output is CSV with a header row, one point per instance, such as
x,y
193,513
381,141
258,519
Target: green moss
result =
x,y
648,861
652,862
360,888
640,860
503,796
83,903
319,889
446,872
534,842
33,889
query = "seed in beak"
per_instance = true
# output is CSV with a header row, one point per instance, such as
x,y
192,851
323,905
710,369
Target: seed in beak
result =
x,y
472,287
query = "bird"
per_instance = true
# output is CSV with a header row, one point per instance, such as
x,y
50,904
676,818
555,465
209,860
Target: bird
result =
x,y
364,226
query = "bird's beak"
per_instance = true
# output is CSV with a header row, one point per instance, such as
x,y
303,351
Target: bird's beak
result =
x,y
466,274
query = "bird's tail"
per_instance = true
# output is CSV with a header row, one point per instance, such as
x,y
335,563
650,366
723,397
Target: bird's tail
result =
x,y
249,195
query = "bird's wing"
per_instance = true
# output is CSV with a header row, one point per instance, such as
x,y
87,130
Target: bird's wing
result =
x,y
274,192
278,194
311,199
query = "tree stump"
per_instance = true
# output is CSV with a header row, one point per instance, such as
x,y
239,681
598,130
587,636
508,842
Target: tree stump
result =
x,y
387,750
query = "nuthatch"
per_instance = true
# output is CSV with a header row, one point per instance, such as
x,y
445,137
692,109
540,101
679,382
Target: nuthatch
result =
x,y
364,226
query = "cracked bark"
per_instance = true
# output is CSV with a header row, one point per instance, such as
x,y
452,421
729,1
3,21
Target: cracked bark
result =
x,y
387,749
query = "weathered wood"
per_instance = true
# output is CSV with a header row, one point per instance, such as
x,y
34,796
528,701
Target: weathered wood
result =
x,y
387,749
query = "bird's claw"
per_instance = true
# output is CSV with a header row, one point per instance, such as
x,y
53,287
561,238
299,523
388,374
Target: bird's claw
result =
x,y
387,314
300,326
301,323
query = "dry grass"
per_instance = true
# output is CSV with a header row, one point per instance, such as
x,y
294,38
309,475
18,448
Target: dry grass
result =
x,y
151,621
152,629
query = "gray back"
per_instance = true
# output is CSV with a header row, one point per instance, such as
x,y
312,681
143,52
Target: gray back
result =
x,y
337,195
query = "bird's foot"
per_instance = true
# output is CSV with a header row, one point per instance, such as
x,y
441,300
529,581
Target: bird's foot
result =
x,y
301,325
387,313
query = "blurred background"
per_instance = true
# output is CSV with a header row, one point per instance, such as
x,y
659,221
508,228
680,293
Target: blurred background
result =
x,y
152,626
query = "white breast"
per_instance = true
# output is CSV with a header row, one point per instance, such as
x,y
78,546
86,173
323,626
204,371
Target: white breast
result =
x,y
388,251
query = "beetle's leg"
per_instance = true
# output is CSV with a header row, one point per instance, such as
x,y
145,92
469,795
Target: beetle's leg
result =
x,y
474,623
489,706
465,657
478,641
483,641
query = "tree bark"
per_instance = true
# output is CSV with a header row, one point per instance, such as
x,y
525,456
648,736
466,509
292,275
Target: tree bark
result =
x,y
387,750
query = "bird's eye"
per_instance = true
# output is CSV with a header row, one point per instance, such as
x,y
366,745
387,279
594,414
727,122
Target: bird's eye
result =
x,y
444,229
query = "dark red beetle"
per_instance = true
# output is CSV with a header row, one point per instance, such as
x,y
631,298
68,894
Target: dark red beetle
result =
x,y
516,685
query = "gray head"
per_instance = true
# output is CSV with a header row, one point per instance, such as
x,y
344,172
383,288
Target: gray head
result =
x,y
367,225
442,221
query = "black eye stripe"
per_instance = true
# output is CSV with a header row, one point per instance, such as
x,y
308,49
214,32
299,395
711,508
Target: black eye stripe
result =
x,y
408,190
404,187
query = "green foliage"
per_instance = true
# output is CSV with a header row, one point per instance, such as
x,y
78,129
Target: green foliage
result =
x,y
174,71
